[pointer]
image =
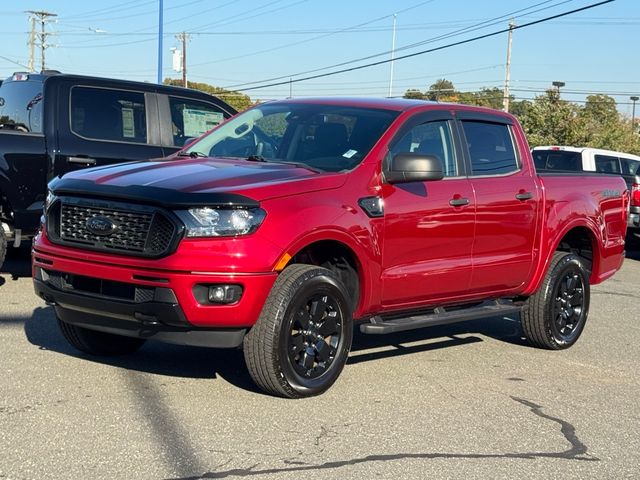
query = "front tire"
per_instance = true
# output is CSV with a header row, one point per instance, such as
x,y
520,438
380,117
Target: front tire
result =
x,y
301,342
555,316
98,343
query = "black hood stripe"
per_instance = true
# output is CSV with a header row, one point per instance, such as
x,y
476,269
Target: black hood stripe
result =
x,y
163,197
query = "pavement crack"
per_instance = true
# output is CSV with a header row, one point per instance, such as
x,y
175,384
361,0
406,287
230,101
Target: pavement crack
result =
x,y
568,430
577,451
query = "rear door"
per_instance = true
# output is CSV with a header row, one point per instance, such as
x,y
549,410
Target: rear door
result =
x,y
102,123
506,196
429,226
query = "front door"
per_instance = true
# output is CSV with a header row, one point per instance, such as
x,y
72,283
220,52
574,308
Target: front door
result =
x,y
429,226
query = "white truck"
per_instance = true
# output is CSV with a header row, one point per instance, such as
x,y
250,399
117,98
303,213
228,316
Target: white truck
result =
x,y
608,162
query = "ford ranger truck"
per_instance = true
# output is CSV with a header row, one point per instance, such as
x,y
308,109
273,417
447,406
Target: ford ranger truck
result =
x,y
296,220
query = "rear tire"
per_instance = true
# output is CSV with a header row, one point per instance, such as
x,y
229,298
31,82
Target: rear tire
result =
x,y
301,341
555,316
98,343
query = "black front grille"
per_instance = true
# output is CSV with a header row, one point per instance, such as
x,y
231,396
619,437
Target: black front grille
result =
x,y
134,230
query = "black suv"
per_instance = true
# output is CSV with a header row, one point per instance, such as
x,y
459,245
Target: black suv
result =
x,y
51,123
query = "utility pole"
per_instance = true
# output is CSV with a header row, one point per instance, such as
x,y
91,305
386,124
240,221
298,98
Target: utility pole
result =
x,y
42,17
507,73
393,52
634,99
160,35
183,37
32,44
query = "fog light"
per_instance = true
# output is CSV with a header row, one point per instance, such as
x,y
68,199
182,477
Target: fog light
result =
x,y
225,293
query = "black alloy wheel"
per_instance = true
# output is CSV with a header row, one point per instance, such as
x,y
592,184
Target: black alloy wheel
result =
x,y
314,335
301,341
568,310
554,317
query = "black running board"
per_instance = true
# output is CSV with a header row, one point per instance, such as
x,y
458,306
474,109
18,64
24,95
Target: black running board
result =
x,y
440,316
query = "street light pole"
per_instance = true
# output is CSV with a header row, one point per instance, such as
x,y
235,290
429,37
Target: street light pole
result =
x,y
634,99
393,53
160,34
558,86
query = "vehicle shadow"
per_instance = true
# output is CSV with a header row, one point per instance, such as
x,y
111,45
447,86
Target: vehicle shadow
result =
x,y
158,358
41,329
504,329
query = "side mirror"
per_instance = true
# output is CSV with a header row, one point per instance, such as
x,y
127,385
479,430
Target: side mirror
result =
x,y
414,167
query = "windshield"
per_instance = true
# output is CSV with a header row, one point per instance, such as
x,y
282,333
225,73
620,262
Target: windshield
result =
x,y
324,137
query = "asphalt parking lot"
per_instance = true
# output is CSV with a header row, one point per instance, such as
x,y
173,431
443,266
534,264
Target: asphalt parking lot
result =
x,y
463,401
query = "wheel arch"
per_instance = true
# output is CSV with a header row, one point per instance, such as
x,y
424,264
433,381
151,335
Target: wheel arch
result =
x,y
338,252
579,238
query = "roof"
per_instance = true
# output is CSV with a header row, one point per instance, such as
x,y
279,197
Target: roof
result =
x,y
568,148
397,104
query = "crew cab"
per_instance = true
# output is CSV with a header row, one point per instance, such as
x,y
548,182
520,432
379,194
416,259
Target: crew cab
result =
x,y
555,158
52,123
293,221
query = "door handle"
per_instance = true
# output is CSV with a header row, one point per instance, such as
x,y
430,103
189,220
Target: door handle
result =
x,y
524,196
458,202
81,160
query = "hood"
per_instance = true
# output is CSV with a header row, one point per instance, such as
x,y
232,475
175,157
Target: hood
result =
x,y
197,178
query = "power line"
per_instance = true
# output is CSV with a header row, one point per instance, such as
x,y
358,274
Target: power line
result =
x,y
423,52
476,26
345,29
15,62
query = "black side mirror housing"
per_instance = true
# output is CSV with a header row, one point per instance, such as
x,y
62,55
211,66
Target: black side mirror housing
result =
x,y
414,167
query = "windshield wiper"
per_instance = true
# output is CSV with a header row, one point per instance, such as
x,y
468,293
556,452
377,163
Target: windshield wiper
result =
x,y
192,154
256,158
260,158
301,165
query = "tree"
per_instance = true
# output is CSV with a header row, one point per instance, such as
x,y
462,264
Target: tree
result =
x,y
604,128
237,100
415,94
548,120
442,91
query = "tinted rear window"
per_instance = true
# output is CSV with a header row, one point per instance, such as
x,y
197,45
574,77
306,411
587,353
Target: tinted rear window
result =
x,y
557,160
21,106
491,148
106,114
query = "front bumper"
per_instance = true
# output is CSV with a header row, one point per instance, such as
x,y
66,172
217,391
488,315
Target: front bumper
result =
x,y
137,294
157,320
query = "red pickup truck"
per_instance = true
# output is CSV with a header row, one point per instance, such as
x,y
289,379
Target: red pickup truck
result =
x,y
292,221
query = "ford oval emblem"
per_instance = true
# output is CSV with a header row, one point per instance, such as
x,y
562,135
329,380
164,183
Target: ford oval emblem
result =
x,y
101,225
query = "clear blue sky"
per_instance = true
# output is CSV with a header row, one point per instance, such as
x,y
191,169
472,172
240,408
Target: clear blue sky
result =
x,y
243,41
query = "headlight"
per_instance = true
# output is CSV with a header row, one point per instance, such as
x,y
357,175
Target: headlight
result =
x,y
221,222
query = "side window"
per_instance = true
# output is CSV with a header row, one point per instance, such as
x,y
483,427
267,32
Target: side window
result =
x,y
557,160
491,148
21,106
431,138
607,164
630,166
191,118
104,114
